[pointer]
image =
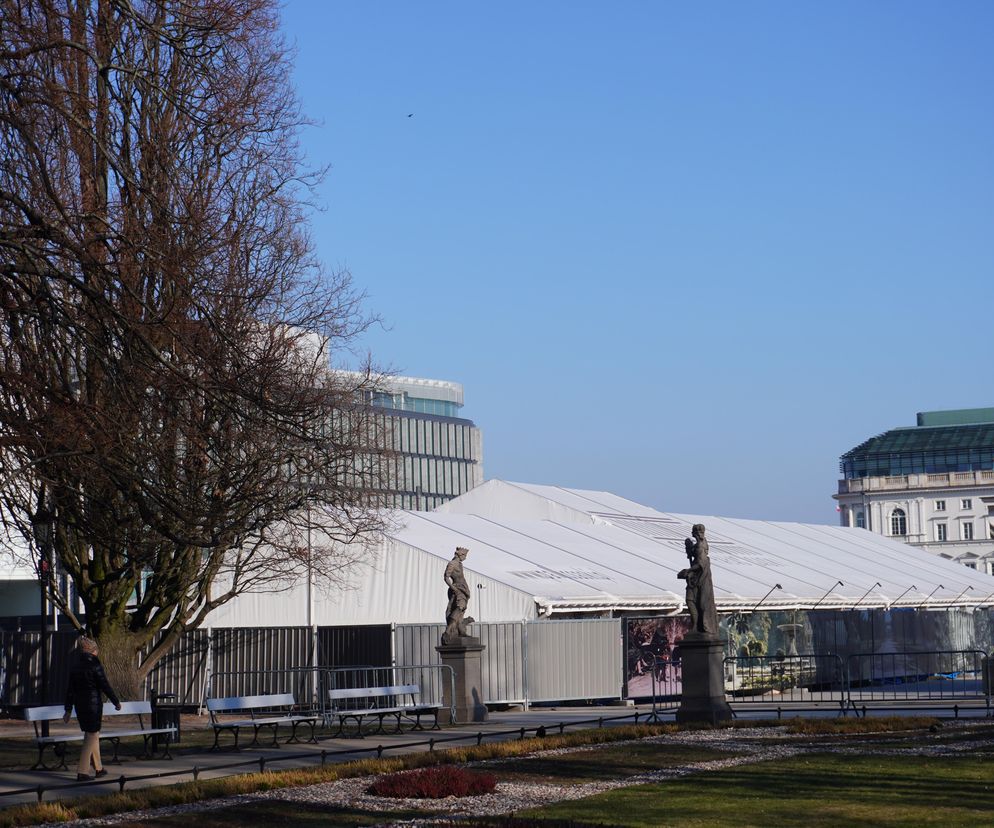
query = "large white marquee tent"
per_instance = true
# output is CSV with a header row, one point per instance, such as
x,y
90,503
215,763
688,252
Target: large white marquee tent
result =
x,y
545,551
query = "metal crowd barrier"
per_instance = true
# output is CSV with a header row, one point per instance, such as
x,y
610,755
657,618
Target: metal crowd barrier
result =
x,y
899,680
918,677
809,679
667,685
433,679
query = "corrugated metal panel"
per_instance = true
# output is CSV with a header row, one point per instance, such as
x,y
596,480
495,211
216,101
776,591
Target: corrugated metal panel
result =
x,y
503,659
261,661
182,672
354,645
574,659
503,664
21,667
415,644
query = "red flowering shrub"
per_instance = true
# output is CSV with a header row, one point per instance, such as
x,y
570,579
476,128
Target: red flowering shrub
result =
x,y
436,782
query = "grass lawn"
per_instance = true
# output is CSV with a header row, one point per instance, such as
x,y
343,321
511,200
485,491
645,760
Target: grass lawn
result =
x,y
613,762
277,813
815,790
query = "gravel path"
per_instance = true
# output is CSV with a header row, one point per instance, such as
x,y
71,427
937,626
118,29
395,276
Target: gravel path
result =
x,y
511,796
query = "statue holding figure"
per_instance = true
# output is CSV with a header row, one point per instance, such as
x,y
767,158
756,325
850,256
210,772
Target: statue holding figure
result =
x,y
700,588
455,612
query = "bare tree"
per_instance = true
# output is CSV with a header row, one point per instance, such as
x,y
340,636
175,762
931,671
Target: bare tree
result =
x,y
165,398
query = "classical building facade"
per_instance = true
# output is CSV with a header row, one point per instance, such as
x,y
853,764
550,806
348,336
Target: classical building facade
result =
x,y
930,485
434,454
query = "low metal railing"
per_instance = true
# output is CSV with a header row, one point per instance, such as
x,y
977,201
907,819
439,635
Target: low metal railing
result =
x,y
936,675
900,680
667,684
811,678
433,679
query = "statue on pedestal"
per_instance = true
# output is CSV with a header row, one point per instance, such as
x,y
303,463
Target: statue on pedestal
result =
x,y
455,612
700,588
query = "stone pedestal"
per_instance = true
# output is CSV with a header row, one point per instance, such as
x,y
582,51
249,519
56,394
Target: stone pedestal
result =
x,y
702,659
464,656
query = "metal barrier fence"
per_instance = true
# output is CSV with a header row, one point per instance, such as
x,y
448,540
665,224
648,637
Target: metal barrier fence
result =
x,y
795,679
302,682
431,679
883,680
940,675
667,684
310,685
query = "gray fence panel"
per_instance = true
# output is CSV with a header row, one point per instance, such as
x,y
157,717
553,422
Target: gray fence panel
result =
x,y
503,659
182,672
21,667
503,663
579,659
346,646
259,661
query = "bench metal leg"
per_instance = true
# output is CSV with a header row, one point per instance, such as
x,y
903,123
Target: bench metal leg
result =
x,y
116,742
340,733
293,735
217,733
258,727
59,749
153,738
417,719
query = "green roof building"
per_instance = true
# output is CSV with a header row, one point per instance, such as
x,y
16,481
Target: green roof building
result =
x,y
931,485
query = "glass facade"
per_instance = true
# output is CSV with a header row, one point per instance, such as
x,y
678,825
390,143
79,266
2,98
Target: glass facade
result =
x,y
905,451
428,459
419,405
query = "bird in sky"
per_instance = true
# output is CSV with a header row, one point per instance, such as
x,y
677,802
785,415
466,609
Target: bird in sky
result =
x,y
410,115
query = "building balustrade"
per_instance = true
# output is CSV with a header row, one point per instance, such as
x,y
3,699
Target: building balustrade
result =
x,y
916,481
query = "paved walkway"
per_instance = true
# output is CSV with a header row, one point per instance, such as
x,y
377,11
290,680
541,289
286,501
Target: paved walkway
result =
x,y
153,772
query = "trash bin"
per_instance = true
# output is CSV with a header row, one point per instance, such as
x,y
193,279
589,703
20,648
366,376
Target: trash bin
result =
x,y
164,715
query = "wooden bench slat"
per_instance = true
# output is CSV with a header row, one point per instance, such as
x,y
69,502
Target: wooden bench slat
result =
x,y
234,703
240,704
52,712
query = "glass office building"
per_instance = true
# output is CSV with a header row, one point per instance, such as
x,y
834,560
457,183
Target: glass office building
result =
x,y
432,454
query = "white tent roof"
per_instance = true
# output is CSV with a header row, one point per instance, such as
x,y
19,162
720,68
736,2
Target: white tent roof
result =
x,y
575,550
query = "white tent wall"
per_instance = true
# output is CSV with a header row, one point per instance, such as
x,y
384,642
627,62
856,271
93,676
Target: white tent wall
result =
x,y
399,583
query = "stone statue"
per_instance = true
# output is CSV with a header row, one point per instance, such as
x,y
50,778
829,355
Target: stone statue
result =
x,y
455,579
700,588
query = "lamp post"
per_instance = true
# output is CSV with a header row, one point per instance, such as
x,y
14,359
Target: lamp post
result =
x,y
42,525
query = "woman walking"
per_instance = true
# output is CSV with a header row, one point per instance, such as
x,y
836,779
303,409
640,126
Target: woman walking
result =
x,y
86,681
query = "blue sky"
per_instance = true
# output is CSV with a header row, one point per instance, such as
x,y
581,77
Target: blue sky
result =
x,y
688,253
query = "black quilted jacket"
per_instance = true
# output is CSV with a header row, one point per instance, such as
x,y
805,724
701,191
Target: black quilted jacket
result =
x,y
86,682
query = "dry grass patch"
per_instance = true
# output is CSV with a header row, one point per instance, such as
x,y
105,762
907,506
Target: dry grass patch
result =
x,y
847,724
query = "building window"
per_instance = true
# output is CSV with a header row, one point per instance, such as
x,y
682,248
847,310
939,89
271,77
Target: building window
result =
x,y
940,532
966,503
898,522
966,531
940,505
860,521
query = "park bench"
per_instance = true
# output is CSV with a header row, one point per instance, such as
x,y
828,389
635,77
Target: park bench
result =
x,y
58,743
273,711
358,703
